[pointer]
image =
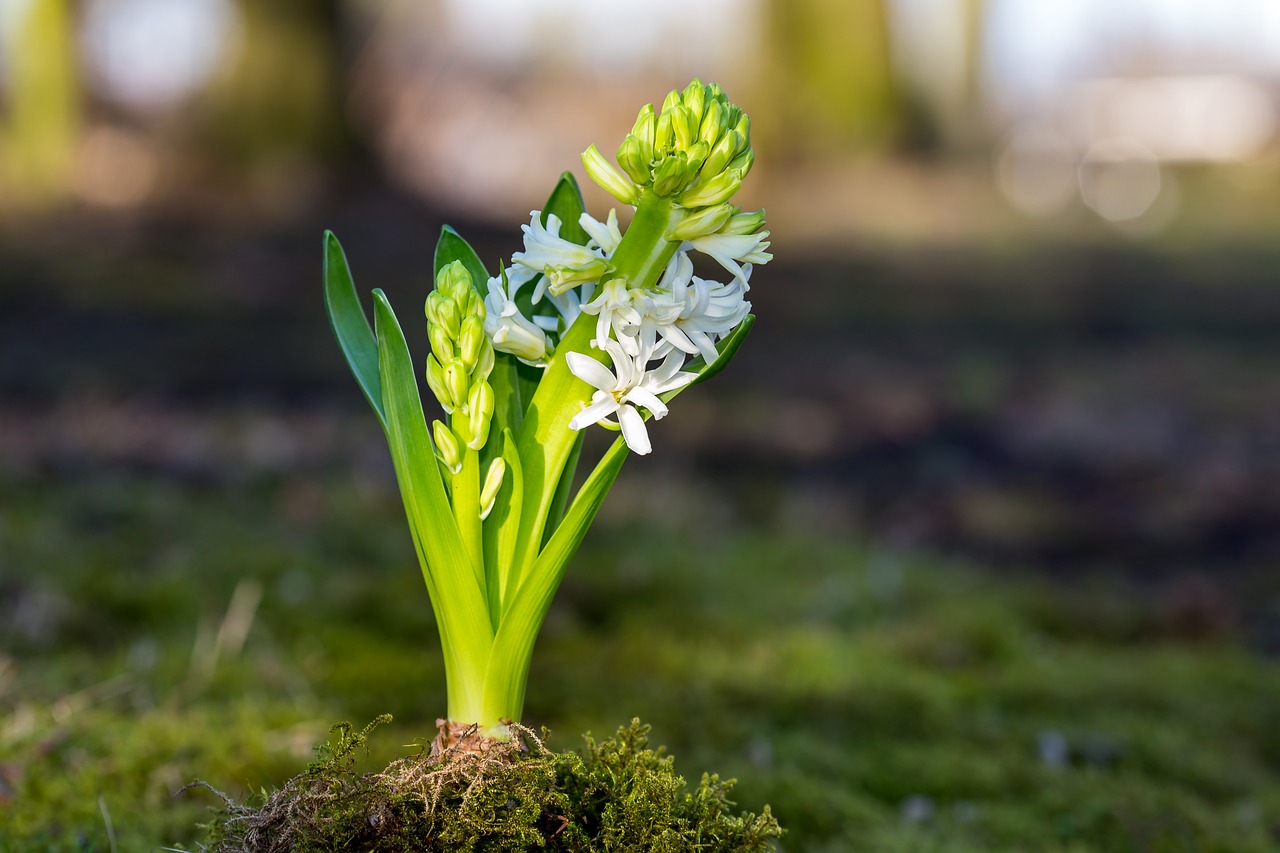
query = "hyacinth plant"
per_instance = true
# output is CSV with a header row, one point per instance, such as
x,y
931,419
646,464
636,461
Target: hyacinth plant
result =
x,y
588,325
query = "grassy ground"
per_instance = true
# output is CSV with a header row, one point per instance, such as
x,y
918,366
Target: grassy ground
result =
x,y
164,629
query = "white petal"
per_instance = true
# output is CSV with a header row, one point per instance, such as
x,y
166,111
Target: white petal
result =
x,y
590,371
601,407
633,431
640,396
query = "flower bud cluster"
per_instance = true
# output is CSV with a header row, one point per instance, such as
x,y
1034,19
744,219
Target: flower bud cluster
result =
x,y
459,364
696,151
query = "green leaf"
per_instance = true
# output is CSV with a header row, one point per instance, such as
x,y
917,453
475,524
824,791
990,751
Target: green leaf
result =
x,y
502,528
451,247
567,204
508,408
561,497
350,324
456,599
513,643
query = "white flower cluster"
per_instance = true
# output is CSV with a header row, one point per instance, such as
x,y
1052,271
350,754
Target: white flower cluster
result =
x,y
648,334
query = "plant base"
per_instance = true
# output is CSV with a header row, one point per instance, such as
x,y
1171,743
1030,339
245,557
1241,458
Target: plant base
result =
x,y
512,795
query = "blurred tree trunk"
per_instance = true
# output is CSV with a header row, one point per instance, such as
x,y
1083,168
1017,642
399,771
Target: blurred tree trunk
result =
x,y
282,95
827,78
42,120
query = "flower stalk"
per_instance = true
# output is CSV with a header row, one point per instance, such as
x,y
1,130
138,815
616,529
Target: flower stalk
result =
x,y
587,324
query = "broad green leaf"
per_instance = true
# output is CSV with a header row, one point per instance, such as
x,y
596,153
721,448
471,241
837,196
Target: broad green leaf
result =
x,y
513,643
501,529
567,204
350,324
508,408
458,603
452,247
560,499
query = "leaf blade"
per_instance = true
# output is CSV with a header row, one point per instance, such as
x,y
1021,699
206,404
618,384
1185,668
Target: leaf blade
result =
x,y
461,612
350,325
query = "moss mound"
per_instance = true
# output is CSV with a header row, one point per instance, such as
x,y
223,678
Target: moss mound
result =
x,y
614,795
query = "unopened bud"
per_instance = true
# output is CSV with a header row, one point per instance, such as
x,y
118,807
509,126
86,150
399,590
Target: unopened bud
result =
x,y
712,127
562,277
744,223
669,177
662,136
608,177
492,483
684,124
441,342
725,149
714,191
743,162
456,381
706,221
671,101
436,382
453,278
643,130
632,159
471,340
695,97
442,311
447,449
480,403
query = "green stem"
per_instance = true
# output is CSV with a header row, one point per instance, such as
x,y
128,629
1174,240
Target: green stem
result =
x,y
466,512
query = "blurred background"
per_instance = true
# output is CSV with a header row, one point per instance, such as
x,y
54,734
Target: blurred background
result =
x,y
975,545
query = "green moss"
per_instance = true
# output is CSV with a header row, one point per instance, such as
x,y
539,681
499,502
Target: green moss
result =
x,y
617,794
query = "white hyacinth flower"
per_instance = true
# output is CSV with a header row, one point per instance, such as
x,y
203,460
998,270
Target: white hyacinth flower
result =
x,y
604,235
563,264
732,250
508,329
621,390
614,311
711,311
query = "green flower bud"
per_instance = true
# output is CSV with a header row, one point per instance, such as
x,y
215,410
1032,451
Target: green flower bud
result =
x,y
743,223
442,311
694,159
608,177
632,158
441,342
662,136
671,101
742,163
712,124
456,382
484,364
436,382
709,220
725,149
492,483
743,129
695,97
480,403
471,340
447,449
561,277
684,124
643,130
669,177
453,279
714,191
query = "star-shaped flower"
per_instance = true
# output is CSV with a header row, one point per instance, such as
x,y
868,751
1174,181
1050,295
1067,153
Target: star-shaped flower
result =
x,y
621,390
